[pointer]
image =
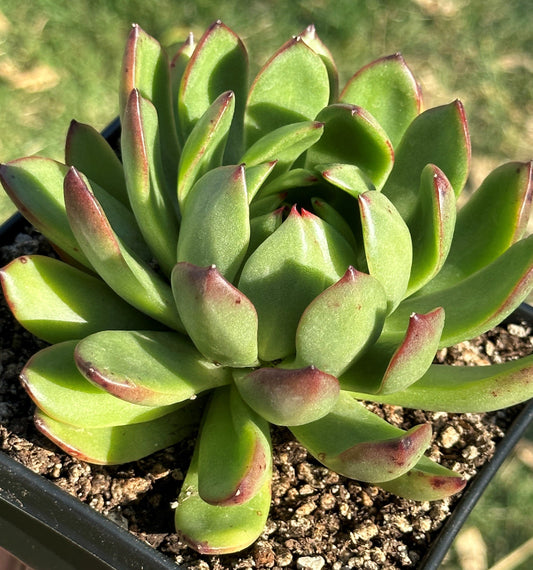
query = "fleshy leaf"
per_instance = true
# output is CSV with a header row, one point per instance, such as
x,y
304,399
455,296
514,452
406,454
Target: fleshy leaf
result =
x,y
256,175
204,147
438,136
153,204
288,397
310,37
54,383
58,302
352,136
215,228
214,529
389,366
264,226
147,368
220,320
292,86
479,302
304,250
388,248
356,443
219,64
146,68
466,389
494,218
294,178
177,69
347,177
90,153
426,481
333,218
432,227
387,89
113,445
284,145
340,322
123,271
234,458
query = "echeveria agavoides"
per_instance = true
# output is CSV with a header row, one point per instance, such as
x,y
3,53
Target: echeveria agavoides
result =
x,y
273,251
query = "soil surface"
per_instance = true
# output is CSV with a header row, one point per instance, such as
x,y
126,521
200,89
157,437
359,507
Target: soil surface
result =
x,y
318,519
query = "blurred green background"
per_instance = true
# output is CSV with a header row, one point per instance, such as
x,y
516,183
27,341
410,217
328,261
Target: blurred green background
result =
x,y
61,59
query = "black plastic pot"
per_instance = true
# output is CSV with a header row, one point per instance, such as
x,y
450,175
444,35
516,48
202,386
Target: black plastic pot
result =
x,y
46,528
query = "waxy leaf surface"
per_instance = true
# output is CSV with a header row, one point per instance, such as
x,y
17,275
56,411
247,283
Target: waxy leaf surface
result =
x,y
214,529
352,136
387,89
204,147
220,320
288,396
340,322
286,272
234,458
122,270
120,444
466,389
54,383
177,69
388,247
494,218
477,303
389,366
438,136
58,302
356,443
432,227
152,201
147,368
347,177
90,153
333,218
219,64
215,228
292,86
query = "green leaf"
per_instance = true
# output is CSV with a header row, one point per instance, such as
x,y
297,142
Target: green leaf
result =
x,y
255,176
204,147
54,383
352,136
90,153
494,218
220,320
219,64
294,178
114,445
426,481
391,365
388,247
149,194
341,322
286,272
432,227
234,458
147,368
284,144
121,269
35,185
438,136
310,37
288,397
146,68
177,69
387,89
356,443
466,389
213,529
347,177
264,226
479,302
291,87
215,228
58,302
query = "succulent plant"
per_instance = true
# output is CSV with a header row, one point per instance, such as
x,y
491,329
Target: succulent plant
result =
x,y
269,254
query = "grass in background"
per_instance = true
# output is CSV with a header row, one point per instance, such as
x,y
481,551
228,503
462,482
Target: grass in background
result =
x,y
61,60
